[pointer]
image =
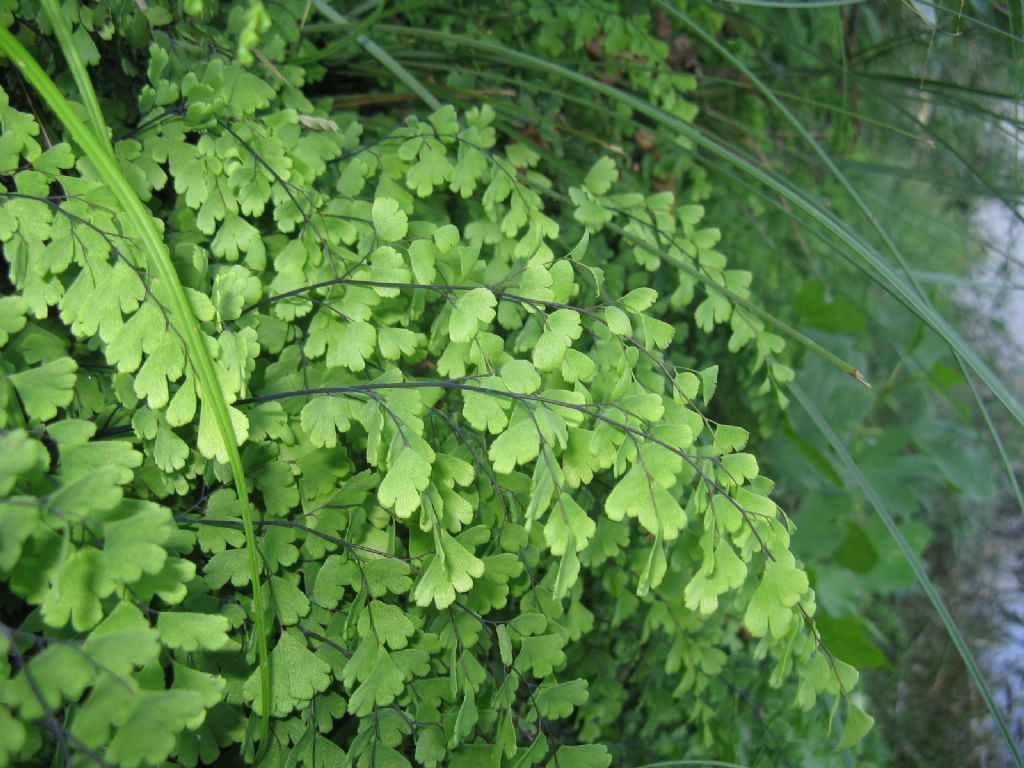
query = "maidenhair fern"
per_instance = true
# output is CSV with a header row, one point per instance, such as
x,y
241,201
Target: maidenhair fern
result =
x,y
490,506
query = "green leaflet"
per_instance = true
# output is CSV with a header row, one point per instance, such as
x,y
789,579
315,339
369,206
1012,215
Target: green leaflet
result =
x,y
473,311
298,674
769,608
389,221
190,631
46,388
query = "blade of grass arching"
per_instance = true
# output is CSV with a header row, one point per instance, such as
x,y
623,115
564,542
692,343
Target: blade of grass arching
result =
x,y
844,44
966,282
62,29
916,565
867,259
929,84
332,49
385,58
873,51
159,260
932,85
1004,457
1016,13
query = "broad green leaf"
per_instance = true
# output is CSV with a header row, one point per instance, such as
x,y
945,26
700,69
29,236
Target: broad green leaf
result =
x,y
583,756
639,299
541,654
446,237
46,388
13,736
561,328
75,595
520,377
738,467
473,311
858,724
12,316
135,544
568,520
452,570
193,631
771,607
388,623
122,641
381,686
558,700
150,732
407,477
519,444
709,382
731,439
297,675
601,176
639,495
389,220
324,418
618,321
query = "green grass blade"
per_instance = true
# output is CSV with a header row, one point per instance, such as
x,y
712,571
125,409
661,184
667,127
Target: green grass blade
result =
x,y
337,46
1004,457
385,58
916,565
159,260
62,29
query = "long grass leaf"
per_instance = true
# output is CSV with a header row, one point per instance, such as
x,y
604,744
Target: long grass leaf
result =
x,y
1004,457
337,46
62,29
385,58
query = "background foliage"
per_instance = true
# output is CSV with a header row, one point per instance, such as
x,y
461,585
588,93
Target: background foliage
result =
x,y
498,305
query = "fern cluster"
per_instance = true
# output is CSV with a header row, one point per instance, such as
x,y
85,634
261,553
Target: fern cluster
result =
x,y
495,524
